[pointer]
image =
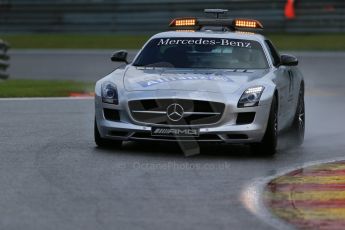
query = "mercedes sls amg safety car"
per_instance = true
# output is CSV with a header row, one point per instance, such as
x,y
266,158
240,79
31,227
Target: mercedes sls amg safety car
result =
x,y
207,80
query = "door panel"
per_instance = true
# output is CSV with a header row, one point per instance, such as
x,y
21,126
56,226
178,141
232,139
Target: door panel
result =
x,y
294,92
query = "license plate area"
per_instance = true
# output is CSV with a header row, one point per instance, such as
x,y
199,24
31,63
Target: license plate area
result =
x,y
174,132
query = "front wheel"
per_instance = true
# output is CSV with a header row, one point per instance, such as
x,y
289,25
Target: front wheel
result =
x,y
105,143
268,145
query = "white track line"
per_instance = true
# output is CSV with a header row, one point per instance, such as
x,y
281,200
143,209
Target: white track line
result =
x,y
252,195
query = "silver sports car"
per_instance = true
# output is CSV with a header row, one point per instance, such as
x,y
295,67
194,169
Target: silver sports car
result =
x,y
209,80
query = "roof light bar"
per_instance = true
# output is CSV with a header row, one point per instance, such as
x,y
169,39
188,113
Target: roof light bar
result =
x,y
226,23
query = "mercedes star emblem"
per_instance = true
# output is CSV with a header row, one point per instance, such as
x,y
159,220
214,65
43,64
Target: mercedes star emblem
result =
x,y
175,112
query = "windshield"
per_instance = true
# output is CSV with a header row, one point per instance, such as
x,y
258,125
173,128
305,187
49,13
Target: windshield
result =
x,y
212,53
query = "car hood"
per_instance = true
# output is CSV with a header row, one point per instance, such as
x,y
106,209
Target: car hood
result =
x,y
147,79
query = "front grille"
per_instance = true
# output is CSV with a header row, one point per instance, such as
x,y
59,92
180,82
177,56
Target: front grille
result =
x,y
194,112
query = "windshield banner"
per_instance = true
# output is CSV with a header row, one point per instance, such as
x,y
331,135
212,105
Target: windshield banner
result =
x,y
204,41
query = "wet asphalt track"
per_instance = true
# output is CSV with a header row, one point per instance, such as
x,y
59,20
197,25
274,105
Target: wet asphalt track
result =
x,y
53,177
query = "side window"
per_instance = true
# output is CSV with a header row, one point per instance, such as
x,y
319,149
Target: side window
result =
x,y
273,52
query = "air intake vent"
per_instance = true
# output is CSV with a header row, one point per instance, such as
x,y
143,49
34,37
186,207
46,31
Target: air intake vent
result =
x,y
237,136
111,114
245,118
202,137
118,133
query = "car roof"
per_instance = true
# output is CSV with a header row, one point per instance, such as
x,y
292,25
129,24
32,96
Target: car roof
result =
x,y
212,34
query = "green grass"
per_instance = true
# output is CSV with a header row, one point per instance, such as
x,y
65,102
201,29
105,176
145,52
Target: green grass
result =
x,y
318,42
42,88
322,42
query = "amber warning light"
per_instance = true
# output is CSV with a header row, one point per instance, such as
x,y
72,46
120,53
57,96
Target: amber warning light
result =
x,y
183,22
247,23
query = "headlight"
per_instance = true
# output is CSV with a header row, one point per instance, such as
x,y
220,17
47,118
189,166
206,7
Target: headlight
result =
x,y
109,93
251,97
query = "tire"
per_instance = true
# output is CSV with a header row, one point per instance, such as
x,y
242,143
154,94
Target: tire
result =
x,y
268,145
105,143
297,129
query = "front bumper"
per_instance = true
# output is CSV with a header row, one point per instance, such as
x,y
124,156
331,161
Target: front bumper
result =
x,y
226,130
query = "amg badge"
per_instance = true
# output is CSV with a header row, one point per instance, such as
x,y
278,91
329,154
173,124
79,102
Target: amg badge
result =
x,y
175,132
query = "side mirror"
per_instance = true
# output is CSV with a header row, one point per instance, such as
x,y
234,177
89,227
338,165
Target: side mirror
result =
x,y
120,56
288,60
